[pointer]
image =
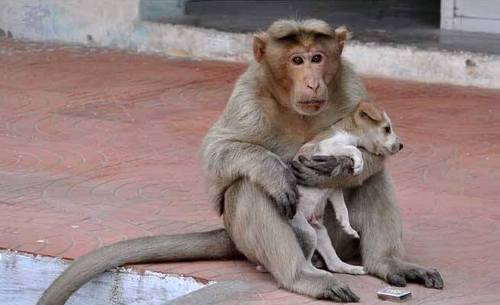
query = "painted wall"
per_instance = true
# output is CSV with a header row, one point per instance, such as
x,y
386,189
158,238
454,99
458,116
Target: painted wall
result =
x,y
117,23
471,16
105,23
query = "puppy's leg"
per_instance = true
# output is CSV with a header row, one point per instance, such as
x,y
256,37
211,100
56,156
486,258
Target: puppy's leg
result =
x,y
333,262
264,236
336,198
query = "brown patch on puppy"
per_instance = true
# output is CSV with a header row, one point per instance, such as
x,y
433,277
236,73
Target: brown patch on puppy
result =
x,y
367,112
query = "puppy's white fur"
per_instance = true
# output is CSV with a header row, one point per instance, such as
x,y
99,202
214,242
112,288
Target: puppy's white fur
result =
x,y
373,136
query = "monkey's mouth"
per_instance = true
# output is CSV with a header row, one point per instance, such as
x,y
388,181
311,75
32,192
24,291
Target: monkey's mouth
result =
x,y
312,102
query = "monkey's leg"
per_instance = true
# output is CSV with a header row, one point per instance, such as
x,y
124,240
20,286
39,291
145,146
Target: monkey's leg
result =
x,y
333,262
305,234
374,210
265,237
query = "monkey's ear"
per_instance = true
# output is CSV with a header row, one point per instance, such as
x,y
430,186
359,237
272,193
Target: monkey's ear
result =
x,y
368,111
342,34
259,46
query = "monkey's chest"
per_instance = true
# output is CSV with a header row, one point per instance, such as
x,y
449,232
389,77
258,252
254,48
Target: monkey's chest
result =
x,y
286,146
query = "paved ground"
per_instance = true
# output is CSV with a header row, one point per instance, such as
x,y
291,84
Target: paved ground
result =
x,y
99,146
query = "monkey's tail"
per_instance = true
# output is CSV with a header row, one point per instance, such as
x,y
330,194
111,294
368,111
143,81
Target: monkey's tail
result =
x,y
183,247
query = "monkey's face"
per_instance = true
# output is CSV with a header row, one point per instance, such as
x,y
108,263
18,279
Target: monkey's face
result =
x,y
310,71
376,131
300,60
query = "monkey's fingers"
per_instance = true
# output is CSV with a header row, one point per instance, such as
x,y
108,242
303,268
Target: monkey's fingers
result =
x,y
323,166
286,201
330,165
296,168
342,293
292,205
303,175
345,167
322,158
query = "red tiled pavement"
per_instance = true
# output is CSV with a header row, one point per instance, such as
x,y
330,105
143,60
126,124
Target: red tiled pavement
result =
x,y
98,146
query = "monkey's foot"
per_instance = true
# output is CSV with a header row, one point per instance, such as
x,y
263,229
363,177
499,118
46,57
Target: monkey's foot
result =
x,y
339,292
404,272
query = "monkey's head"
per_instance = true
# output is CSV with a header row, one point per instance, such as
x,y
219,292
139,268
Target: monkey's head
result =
x,y
300,61
374,128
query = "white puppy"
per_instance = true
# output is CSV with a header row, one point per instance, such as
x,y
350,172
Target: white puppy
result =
x,y
367,127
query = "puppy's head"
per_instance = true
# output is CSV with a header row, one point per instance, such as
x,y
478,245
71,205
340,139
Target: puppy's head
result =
x,y
375,130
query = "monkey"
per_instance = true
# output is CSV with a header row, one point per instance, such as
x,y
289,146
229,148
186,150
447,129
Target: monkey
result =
x,y
297,85
368,127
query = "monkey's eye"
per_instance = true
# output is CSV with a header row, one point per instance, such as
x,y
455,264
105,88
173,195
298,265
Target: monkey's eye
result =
x,y
387,129
297,60
316,58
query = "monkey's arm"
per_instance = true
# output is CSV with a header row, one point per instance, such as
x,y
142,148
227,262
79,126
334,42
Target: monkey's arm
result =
x,y
227,160
325,171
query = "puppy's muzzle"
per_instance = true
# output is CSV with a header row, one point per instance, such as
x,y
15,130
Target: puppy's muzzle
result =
x,y
396,147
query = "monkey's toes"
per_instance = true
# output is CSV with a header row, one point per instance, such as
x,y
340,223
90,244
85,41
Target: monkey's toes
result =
x,y
429,278
396,279
341,293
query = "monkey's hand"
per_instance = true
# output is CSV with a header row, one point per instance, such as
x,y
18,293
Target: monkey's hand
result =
x,y
319,170
283,189
331,171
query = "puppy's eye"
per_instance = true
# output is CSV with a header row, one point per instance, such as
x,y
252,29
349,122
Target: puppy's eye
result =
x,y
297,60
316,58
387,129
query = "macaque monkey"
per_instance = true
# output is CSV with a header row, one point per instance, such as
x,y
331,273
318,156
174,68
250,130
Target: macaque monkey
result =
x,y
367,127
297,86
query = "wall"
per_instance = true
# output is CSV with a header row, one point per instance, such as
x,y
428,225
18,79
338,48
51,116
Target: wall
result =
x,y
471,16
107,22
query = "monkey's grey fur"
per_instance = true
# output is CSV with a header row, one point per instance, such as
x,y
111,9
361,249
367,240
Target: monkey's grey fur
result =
x,y
245,158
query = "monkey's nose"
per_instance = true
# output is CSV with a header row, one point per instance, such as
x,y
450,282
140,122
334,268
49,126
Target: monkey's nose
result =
x,y
313,87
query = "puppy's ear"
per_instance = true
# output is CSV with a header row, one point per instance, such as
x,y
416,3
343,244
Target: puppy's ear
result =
x,y
368,111
259,46
342,34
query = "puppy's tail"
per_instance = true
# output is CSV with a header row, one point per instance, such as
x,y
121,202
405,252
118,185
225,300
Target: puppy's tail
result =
x,y
164,248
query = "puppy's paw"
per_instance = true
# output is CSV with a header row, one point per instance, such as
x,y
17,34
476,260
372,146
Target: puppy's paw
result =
x,y
261,269
358,163
341,267
357,270
351,232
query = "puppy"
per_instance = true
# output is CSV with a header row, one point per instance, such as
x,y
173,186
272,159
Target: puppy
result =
x,y
368,127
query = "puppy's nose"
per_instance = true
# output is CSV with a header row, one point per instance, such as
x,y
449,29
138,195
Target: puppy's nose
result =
x,y
401,146
396,147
